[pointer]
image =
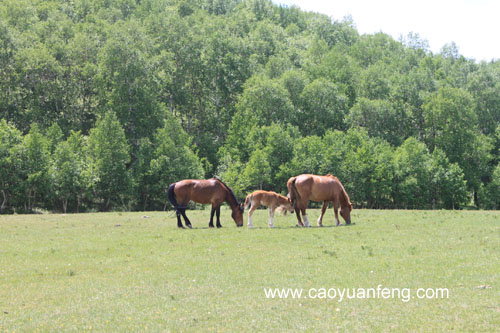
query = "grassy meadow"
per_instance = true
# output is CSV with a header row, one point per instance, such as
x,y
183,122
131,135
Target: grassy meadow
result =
x,y
138,272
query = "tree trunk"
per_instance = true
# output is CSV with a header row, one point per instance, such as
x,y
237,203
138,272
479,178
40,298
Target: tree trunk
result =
x,y
4,201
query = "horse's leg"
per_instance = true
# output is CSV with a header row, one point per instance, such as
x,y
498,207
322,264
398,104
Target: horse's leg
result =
x,y
336,210
217,211
188,223
306,220
323,209
296,207
211,223
250,212
179,222
271,216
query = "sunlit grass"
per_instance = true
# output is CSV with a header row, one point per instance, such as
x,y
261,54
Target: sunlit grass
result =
x,y
137,271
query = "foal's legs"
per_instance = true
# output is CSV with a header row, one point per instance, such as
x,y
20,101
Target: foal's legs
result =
x,y
217,211
271,216
323,209
250,212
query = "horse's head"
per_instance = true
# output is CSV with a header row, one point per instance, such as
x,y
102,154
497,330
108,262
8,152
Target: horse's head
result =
x,y
237,214
288,206
345,212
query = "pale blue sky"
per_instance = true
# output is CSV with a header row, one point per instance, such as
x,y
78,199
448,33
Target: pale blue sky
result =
x,y
473,25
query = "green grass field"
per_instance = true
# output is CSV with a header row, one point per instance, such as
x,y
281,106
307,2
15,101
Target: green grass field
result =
x,y
120,271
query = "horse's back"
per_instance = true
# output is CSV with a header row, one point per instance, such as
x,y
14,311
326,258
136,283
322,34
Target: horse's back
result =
x,y
263,197
203,191
317,188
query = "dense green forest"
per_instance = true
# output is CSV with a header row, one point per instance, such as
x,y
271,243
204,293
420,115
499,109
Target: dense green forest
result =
x,y
103,103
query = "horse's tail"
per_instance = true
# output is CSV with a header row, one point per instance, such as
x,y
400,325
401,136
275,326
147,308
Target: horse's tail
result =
x,y
248,201
293,194
171,196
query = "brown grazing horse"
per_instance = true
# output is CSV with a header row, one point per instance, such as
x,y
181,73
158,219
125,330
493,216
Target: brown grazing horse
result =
x,y
327,188
270,199
205,191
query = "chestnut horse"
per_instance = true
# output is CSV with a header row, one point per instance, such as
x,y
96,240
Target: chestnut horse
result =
x,y
327,188
269,199
204,191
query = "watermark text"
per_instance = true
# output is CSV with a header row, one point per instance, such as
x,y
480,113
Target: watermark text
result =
x,y
341,294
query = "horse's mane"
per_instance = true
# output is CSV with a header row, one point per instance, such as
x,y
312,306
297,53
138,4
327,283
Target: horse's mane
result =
x,y
344,196
231,194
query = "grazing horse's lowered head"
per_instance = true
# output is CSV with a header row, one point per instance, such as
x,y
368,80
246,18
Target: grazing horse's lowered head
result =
x,y
237,214
286,207
345,202
346,213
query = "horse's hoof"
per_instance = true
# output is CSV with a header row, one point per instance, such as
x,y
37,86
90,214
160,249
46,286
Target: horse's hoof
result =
x,y
210,225
180,227
320,225
190,226
219,226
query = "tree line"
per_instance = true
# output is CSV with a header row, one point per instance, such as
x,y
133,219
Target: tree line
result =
x,y
105,103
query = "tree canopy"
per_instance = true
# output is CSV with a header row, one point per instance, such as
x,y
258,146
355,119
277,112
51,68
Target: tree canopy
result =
x,y
104,103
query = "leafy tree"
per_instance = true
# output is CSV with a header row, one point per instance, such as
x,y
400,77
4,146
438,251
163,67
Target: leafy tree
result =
x,y
68,172
263,102
411,177
7,77
257,171
32,158
143,178
371,49
490,194
379,117
173,159
125,76
294,81
367,169
448,186
338,67
41,93
484,86
307,156
232,87
10,176
323,107
375,82
54,135
230,170
451,125
108,156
